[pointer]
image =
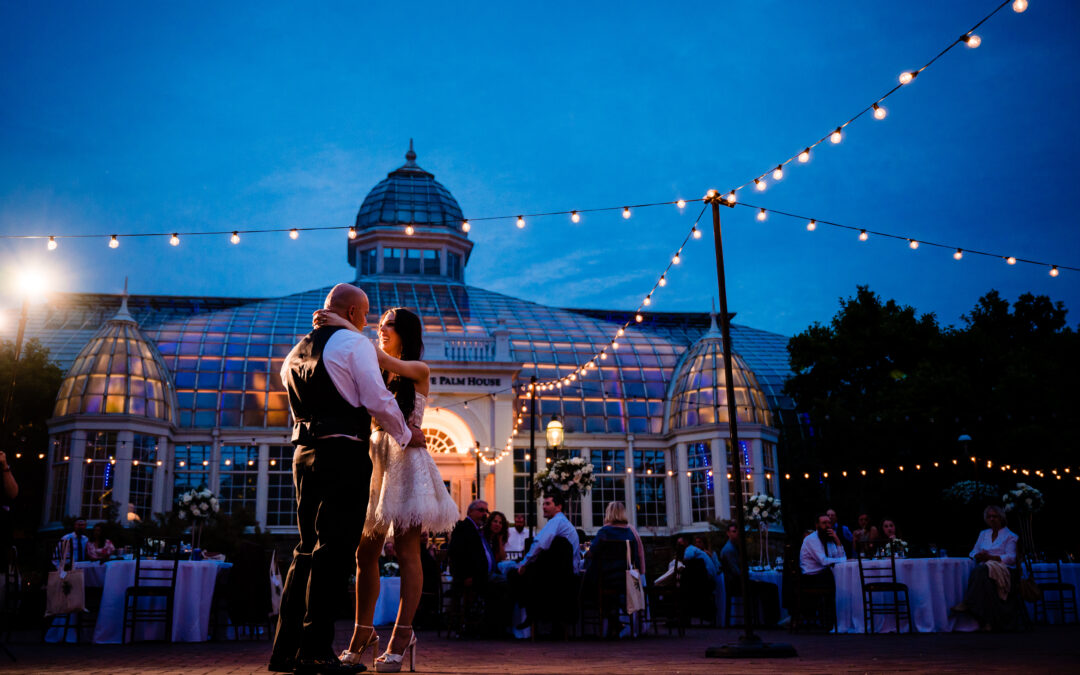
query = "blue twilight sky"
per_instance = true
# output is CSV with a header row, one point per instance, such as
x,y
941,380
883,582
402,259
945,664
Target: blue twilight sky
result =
x,y
154,117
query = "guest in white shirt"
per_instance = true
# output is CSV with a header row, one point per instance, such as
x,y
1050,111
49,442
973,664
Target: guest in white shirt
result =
x,y
516,541
76,542
992,595
542,581
557,526
821,549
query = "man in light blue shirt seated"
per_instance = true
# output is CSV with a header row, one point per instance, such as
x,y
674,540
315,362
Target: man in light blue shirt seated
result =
x,y
694,553
558,525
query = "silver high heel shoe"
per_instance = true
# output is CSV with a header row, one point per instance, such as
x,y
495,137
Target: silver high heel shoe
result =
x,y
390,662
350,658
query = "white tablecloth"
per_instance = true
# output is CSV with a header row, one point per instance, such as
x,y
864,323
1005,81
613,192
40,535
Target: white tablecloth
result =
x,y
191,607
934,585
386,607
769,576
1070,574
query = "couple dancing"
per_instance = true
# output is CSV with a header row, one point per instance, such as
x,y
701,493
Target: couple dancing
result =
x,y
361,472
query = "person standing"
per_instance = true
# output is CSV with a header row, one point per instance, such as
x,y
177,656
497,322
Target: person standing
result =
x,y
335,390
77,542
515,543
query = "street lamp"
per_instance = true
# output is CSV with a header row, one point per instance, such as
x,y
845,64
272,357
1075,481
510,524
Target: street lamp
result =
x,y
555,433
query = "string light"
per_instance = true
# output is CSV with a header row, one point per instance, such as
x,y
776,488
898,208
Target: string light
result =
x,y
681,203
804,156
52,244
1011,260
907,76
676,260
465,226
521,222
663,280
972,40
759,184
863,236
959,254
1054,271
1020,6
575,216
811,226
352,233
696,232
914,244
731,197
836,136
114,242
778,172
762,215
174,240
879,112
294,233
626,212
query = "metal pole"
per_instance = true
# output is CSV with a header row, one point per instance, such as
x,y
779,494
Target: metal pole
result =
x,y
15,365
733,426
478,470
531,508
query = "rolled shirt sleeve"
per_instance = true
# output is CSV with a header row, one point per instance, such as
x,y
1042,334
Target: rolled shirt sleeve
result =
x,y
350,360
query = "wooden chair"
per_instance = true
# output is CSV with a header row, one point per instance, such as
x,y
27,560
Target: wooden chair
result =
x,y
154,585
814,606
603,587
879,580
734,613
1049,581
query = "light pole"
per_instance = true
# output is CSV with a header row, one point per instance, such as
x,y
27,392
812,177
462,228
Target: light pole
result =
x,y
749,644
530,509
30,283
555,433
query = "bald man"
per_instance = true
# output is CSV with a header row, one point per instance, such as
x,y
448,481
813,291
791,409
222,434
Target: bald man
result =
x,y
335,390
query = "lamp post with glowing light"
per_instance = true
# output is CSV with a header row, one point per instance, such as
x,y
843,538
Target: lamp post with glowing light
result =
x,y
555,433
530,504
31,283
749,645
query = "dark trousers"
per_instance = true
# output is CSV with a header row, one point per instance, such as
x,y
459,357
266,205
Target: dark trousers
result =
x,y
332,481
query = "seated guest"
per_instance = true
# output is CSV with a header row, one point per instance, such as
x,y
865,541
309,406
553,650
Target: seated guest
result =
x,y
515,542
842,532
389,555
865,536
768,594
692,552
702,542
99,548
471,559
888,530
76,542
820,551
617,528
497,533
609,573
536,580
992,595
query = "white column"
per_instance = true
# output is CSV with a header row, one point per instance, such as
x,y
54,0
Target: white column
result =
x,y
586,501
161,496
122,476
77,452
721,470
683,481
213,479
262,484
631,498
759,465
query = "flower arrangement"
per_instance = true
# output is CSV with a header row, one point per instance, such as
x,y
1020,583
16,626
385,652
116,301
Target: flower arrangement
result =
x,y
391,569
762,509
198,505
573,476
896,546
1024,499
970,492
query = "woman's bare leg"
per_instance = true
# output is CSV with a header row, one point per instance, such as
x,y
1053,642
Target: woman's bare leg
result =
x,y
367,588
407,544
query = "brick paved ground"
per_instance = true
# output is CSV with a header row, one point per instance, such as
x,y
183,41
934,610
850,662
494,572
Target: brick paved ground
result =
x,y
1042,650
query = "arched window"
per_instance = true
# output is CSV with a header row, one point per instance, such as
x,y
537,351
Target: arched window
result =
x,y
439,442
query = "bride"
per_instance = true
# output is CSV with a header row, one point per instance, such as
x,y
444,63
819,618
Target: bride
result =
x,y
407,494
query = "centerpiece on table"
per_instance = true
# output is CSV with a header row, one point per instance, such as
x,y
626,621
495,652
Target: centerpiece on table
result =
x,y
198,506
1024,501
760,511
893,547
573,477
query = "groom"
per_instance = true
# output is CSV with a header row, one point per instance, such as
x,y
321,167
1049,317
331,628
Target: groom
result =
x,y
335,389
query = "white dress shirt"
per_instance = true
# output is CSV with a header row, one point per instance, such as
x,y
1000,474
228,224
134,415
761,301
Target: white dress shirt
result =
x,y
814,557
558,526
516,541
350,360
76,548
1004,546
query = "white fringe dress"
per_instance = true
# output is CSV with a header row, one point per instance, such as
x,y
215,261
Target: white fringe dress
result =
x,y
407,489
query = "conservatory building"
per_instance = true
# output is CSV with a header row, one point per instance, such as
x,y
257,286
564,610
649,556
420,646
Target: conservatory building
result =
x,y
166,393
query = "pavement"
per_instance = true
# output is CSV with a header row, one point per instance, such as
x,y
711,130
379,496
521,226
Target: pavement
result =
x,y
1044,649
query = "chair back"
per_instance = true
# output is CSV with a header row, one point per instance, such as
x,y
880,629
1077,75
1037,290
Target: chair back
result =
x,y
248,587
1045,573
607,564
876,570
150,575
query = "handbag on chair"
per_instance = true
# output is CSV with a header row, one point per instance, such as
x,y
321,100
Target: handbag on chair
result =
x,y
635,593
65,592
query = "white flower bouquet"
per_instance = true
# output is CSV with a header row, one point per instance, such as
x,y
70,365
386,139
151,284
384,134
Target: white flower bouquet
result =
x,y
762,509
1023,499
573,476
970,492
197,505
390,569
897,547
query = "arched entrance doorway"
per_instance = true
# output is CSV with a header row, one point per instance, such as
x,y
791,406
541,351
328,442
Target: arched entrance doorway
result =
x,y
449,439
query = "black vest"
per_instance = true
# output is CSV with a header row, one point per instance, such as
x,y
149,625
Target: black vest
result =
x,y
317,407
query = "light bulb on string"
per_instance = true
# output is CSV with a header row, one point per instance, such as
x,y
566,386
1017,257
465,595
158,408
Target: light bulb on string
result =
x,y
696,232
972,40
51,245
647,301
907,76
778,172
837,135
465,226
730,198
1020,6
879,112
1054,271
663,281
575,217
913,243
294,233
521,222
235,238
626,212
811,226
114,242
863,236
958,255
804,156
410,230
639,318
676,260
1010,260
352,233
762,215
174,240
759,184
620,332
681,203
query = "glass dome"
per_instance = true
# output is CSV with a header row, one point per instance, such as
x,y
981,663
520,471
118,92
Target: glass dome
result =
x,y
699,394
119,372
409,195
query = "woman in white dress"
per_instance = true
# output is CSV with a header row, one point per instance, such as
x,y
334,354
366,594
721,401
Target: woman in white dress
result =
x,y
407,494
